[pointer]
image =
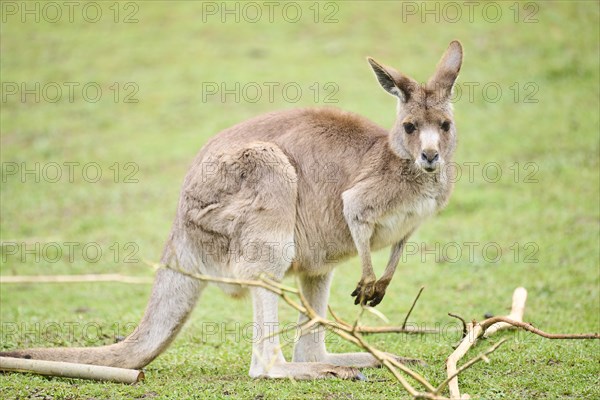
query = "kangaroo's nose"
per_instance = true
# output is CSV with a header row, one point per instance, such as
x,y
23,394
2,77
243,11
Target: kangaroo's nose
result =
x,y
430,155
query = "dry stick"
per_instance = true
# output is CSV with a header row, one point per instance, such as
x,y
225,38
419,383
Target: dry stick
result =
x,y
464,323
352,334
480,357
381,329
474,331
74,278
452,360
344,330
351,331
71,370
489,326
391,364
393,329
528,327
516,312
412,306
399,377
388,360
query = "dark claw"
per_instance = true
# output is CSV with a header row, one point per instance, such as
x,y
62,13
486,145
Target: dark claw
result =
x,y
365,293
375,301
360,377
360,299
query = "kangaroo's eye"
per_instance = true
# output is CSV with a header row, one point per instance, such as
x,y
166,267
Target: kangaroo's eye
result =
x,y
409,127
445,126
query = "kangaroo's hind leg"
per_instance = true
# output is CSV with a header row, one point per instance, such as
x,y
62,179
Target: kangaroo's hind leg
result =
x,y
251,203
267,358
311,347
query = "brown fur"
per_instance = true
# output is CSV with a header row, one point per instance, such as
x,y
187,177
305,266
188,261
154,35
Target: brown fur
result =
x,y
298,191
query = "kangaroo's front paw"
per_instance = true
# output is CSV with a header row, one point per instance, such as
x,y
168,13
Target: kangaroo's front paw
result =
x,y
365,290
379,292
371,292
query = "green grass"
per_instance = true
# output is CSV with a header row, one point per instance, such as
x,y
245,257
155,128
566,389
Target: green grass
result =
x,y
171,51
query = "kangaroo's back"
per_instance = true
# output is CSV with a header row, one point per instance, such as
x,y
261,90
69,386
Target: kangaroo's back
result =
x,y
303,134
327,149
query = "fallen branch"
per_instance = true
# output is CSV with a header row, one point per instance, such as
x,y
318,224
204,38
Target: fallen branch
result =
x,y
464,323
347,331
516,312
339,327
528,327
468,341
71,370
474,331
486,328
74,278
381,329
468,364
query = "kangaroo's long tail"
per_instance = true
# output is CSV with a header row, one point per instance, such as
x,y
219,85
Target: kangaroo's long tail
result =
x,y
173,297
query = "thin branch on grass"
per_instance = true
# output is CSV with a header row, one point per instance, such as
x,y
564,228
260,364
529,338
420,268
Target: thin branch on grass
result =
x,y
468,364
346,331
474,331
528,327
381,329
489,326
464,323
353,332
411,307
74,279
517,310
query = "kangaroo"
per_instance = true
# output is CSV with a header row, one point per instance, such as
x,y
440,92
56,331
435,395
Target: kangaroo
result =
x,y
251,204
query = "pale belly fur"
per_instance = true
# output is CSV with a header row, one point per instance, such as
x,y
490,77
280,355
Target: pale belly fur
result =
x,y
394,226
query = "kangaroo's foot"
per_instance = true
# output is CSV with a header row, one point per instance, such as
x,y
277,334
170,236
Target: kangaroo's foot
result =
x,y
306,370
365,360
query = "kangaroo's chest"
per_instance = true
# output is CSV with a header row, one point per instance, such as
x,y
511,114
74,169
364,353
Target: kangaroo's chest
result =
x,y
400,221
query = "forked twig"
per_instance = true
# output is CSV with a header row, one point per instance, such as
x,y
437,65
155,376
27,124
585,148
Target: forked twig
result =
x,y
353,334
489,326
480,357
341,328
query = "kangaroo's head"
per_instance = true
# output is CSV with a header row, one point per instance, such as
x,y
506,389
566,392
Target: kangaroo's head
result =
x,y
424,130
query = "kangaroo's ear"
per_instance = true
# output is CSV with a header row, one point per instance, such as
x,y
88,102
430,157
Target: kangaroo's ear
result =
x,y
393,81
447,70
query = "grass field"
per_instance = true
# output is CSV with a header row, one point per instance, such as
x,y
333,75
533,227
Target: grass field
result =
x,y
133,90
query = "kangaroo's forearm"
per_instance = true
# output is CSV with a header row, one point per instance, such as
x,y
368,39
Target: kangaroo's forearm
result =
x,y
392,264
394,259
